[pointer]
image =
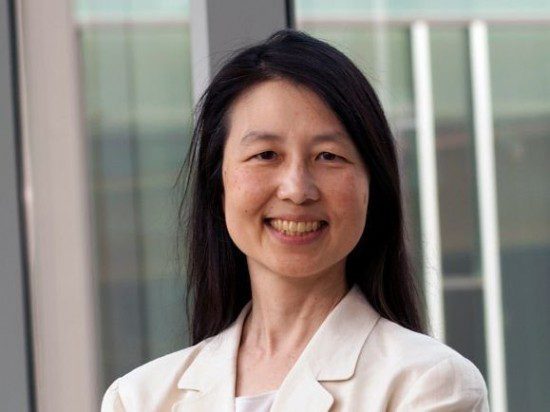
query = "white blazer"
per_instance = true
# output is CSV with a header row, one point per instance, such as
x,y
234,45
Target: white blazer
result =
x,y
356,361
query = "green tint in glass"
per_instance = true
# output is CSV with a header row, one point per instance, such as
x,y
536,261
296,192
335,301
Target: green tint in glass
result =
x,y
455,152
410,9
520,82
151,9
137,93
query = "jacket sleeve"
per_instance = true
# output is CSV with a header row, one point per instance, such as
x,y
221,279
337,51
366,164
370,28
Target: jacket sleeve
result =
x,y
111,400
452,384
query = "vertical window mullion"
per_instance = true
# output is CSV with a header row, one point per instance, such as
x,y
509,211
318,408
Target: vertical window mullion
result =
x,y
427,176
488,217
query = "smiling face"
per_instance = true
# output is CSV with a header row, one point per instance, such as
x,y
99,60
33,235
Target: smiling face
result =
x,y
295,186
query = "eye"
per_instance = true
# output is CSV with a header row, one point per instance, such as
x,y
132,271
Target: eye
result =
x,y
267,155
329,156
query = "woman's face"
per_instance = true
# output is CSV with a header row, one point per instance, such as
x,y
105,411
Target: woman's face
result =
x,y
295,186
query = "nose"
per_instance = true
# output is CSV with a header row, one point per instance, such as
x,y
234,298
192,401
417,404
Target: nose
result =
x,y
297,184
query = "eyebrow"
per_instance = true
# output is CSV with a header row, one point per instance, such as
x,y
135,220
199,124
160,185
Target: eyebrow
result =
x,y
254,136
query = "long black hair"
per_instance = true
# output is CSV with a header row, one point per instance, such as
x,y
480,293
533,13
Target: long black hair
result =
x,y
218,284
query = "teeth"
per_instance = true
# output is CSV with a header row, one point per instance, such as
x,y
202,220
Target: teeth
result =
x,y
293,228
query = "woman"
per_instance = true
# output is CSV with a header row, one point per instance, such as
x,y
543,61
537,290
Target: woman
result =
x,y
301,290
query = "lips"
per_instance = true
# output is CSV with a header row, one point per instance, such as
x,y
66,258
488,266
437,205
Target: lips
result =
x,y
296,233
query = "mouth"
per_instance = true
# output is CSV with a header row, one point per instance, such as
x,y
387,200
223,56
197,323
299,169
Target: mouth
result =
x,y
294,228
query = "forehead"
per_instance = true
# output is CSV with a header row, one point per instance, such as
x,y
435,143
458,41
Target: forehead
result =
x,y
283,108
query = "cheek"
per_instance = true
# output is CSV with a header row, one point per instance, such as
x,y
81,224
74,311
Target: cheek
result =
x,y
244,193
245,196
350,200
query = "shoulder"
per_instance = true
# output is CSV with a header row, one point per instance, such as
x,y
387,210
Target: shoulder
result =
x,y
139,388
417,353
393,341
424,370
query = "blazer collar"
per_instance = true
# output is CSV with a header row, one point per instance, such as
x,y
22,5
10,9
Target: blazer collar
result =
x,y
330,355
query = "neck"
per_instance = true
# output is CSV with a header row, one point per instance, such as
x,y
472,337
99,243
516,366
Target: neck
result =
x,y
286,312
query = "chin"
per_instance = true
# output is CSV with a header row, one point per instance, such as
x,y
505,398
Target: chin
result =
x,y
297,271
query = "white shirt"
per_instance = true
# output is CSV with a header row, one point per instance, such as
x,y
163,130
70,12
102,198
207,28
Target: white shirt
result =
x,y
256,403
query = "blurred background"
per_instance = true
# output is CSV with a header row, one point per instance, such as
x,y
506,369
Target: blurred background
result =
x,y
96,117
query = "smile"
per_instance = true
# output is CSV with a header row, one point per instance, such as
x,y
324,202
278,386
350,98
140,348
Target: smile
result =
x,y
295,228
294,233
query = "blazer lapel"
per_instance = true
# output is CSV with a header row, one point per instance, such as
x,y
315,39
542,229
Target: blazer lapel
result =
x,y
301,391
330,355
210,379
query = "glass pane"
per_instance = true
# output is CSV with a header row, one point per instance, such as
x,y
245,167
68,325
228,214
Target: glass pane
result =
x,y
409,9
464,320
455,152
137,92
108,9
457,193
520,74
